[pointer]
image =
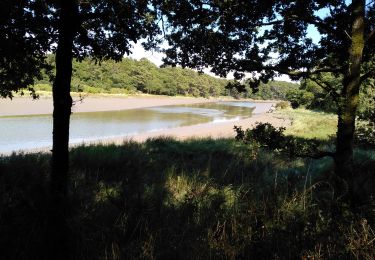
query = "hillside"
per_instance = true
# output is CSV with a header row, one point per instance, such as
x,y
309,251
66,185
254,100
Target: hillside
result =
x,y
131,76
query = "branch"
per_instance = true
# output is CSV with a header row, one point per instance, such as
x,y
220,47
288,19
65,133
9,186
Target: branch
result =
x,y
298,73
371,36
319,24
327,87
91,16
162,25
270,23
367,75
248,66
311,20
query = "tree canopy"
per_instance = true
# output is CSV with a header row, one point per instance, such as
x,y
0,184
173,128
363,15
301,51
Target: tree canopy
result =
x,y
22,58
131,76
269,38
69,29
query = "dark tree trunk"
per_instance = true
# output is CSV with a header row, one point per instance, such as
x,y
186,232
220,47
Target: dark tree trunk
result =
x,y
350,96
58,236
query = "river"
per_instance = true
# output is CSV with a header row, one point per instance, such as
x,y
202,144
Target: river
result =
x,y
35,131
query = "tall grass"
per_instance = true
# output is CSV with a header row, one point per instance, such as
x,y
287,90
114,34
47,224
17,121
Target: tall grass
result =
x,y
193,199
310,124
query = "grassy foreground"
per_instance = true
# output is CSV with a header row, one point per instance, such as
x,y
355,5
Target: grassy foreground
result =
x,y
194,199
310,124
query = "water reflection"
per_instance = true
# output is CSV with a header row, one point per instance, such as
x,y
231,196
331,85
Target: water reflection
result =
x,y
27,132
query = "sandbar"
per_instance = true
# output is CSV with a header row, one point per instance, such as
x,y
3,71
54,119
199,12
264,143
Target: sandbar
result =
x,y
207,130
44,105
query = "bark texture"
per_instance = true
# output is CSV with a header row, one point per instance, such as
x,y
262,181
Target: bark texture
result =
x,y
59,210
350,96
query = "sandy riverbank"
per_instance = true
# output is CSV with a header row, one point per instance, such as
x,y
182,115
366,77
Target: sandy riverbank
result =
x,y
213,130
27,106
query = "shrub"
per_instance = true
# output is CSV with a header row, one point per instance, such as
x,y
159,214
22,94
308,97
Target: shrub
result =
x,y
91,90
283,105
299,98
365,134
43,87
266,135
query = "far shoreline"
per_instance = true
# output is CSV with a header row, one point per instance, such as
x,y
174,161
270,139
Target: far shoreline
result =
x,y
24,106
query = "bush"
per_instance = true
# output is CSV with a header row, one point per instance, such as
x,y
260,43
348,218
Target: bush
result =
x,y
266,135
299,98
91,90
43,87
118,91
283,105
365,134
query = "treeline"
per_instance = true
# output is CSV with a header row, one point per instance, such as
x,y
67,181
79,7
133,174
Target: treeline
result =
x,y
142,76
277,90
131,76
311,95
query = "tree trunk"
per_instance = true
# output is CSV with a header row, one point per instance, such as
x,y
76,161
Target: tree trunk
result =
x,y
350,96
58,236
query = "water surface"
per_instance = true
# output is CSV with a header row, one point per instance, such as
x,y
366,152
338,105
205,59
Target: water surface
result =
x,y
29,132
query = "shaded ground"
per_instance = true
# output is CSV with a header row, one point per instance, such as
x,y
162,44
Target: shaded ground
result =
x,y
193,199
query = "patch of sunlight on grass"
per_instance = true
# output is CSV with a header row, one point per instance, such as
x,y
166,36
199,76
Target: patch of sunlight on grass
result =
x,y
178,187
230,196
183,188
106,192
310,124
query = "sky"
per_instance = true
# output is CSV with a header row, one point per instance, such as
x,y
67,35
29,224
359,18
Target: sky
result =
x,y
138,51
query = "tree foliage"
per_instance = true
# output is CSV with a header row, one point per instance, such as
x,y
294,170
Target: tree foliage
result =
x,y
22,58
322,99
243,36
70,29
131,76
269,38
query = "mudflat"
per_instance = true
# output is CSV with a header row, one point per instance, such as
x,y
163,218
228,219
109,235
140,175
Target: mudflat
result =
x,y
28,106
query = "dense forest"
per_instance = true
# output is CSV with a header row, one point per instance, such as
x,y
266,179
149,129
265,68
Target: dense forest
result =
x,y
131,76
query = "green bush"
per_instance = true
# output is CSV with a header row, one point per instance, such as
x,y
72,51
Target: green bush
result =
x,y
43,87
365,133
299,98
129,76
266,135
91,90
282,105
